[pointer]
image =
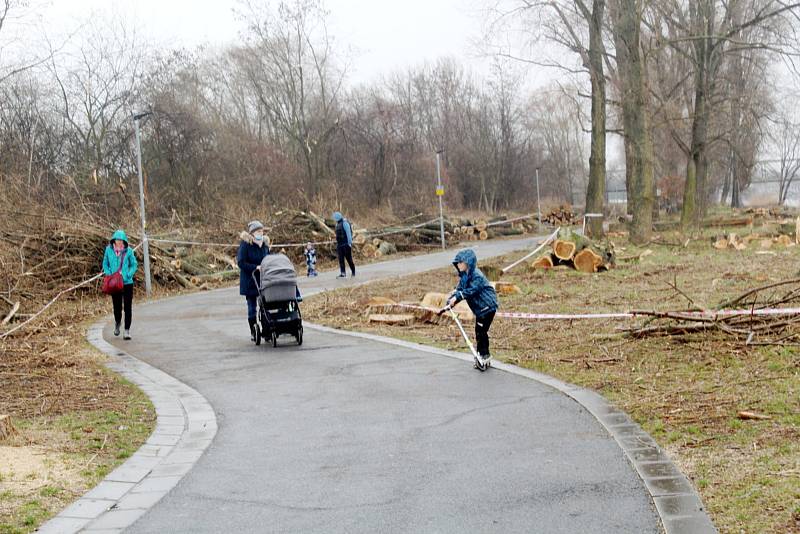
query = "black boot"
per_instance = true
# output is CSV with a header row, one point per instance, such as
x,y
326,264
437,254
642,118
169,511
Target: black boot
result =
x,y
252,323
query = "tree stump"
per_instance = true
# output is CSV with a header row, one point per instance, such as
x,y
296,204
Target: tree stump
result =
x,y
545,262
484,235
564,250
587,261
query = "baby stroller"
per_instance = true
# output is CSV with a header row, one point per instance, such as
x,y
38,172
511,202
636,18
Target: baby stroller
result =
x,y
278,312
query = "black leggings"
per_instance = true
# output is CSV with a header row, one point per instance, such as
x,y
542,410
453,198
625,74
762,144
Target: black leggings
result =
x,y
118,299
482,325
345,252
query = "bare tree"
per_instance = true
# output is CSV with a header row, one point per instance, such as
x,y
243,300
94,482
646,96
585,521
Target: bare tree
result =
x,y
289,61
785,134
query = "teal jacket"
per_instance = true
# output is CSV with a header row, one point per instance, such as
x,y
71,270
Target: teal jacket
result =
x,y
111,261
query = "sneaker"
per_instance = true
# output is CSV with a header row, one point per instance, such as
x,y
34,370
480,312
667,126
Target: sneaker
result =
x,y
342,276
353,275
487,359
116,329
126,334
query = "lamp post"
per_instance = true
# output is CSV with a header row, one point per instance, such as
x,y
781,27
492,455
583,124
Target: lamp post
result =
x,y
440,194
145,248
538,203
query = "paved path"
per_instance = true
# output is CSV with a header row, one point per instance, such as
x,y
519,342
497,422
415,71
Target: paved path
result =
x,y
354,435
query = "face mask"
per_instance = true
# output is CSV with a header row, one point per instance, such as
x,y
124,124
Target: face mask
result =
x,y
258,237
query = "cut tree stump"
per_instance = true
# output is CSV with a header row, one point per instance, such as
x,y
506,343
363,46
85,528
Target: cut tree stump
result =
x,y
6,428
506,288
545,262
398,319
564,250
483,235
587,261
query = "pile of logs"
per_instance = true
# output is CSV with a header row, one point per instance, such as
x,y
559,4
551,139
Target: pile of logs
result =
x,y
560,216
575,251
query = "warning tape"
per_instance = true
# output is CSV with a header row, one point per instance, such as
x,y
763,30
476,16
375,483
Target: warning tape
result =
x,y
373,233
711,315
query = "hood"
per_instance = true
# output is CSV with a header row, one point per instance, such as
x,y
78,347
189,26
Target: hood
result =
x,y
119,234
248,238
467,256
337,216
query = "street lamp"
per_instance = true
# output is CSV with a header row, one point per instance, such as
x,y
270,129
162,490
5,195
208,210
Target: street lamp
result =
x,y
538,203
145,249
440,194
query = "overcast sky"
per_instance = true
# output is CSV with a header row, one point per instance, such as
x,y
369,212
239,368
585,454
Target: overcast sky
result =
x,y
384,36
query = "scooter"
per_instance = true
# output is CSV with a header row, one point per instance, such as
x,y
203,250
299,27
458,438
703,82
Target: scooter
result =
x,y
480,364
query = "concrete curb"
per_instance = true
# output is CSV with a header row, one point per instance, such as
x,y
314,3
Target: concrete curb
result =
x,y
678,505
185,427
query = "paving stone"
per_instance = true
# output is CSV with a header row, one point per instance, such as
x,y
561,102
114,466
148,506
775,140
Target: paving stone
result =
x,y
109,490
163,484
87,508
63,525
141,501
115,519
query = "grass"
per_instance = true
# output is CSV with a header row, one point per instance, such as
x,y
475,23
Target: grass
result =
x,y
685,390
80,445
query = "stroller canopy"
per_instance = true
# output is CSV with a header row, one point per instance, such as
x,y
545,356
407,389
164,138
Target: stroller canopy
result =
x,y
276,270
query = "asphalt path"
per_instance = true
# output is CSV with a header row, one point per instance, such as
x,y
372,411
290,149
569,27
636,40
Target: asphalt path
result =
x,y
354,435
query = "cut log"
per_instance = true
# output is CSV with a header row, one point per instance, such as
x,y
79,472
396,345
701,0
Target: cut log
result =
x,y
7,429
587,261
386,248
484,235
216,277
785,240
359,239
481,226
545,262
404,319
753,416
223,258
564,250
376,242
369,250
506,288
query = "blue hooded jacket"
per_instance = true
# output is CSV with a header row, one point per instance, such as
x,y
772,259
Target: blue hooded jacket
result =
x,y
348,230
248,258
473,285
111,260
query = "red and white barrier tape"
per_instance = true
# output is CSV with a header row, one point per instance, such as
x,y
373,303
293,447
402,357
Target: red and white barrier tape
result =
x,y
712,315
368,233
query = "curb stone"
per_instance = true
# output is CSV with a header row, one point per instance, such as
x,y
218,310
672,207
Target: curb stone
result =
x,y
677,503
185,427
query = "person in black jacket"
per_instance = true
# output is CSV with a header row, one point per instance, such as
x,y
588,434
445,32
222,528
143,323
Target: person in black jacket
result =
x,y
344,244
252,250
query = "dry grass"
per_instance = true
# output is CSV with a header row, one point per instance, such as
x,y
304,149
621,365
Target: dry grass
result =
x,y
685,390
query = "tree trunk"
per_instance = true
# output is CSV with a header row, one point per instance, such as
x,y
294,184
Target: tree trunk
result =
x,y
639,148
596,188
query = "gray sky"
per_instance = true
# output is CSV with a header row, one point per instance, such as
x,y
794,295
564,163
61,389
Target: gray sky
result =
x,y
384,36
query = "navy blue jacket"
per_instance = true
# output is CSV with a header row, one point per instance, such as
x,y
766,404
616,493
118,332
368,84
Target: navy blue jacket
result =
x,y
473,285
249,257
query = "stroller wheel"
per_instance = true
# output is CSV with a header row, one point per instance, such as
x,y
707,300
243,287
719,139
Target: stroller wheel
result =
x,y
274,339
299,335
258,335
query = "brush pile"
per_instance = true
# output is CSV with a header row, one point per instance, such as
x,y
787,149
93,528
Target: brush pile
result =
x,y
768,317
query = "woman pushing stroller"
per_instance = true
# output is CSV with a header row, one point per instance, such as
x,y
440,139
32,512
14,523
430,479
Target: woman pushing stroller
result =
x,y
252,250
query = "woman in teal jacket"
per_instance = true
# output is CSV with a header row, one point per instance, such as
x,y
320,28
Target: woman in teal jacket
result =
x,y
118,251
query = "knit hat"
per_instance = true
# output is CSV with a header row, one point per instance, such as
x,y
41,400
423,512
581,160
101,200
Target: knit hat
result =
x,y
252,226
